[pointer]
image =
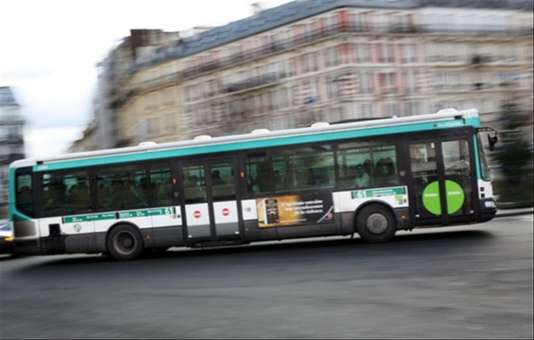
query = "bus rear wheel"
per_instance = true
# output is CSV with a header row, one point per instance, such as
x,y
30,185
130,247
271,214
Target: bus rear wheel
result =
x,y
125,243
375,223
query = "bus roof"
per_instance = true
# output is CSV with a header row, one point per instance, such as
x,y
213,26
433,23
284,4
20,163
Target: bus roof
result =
x,y
261,138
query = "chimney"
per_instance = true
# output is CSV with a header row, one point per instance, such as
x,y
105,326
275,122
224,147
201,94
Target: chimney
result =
x,y
257,8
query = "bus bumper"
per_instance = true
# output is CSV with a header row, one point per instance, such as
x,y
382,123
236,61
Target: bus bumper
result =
x,y
27,247
487,210
40,246
6,245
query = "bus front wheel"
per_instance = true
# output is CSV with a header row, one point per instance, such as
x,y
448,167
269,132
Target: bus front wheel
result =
x,y
125,243
375,223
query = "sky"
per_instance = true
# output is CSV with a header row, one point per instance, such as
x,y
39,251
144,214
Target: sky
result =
x,y
49,51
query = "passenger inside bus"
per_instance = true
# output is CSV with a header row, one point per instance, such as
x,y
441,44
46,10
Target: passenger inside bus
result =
x,y
123,196
216,178
79,196
385,171
361,177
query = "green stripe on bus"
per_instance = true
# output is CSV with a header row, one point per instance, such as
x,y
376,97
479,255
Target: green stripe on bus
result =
x,y
380,192
145,213
254,144
88,218
123,214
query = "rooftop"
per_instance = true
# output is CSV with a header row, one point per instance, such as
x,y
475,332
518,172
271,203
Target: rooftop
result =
x,y
301,9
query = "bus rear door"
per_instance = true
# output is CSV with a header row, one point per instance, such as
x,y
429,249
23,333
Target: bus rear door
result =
x,y
440,178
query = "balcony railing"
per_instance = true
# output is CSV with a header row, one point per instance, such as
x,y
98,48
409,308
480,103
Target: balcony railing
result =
x,y
333,30
253,82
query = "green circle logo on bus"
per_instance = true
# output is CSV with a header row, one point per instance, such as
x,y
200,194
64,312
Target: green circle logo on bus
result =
x,y
432,201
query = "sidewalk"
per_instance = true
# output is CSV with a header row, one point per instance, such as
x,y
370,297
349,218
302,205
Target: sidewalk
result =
x,y
514,212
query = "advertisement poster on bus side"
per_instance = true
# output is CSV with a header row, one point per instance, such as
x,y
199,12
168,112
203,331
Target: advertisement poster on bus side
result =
x,y
288,210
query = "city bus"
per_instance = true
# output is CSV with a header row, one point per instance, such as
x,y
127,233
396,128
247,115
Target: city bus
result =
x,y
370,178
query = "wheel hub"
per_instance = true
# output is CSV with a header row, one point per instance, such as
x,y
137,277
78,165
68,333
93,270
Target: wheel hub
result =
x,y
377,223
125,242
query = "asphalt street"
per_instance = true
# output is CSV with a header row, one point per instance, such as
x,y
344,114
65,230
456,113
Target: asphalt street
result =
x,y
464,282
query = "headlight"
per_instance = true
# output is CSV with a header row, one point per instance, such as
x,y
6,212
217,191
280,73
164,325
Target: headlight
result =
x,y
489,204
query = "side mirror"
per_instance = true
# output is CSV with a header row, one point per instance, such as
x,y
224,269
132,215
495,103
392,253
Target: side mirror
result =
x,y
492,140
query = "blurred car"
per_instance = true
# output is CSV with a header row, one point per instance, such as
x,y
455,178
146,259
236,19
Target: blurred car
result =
x,y
6,237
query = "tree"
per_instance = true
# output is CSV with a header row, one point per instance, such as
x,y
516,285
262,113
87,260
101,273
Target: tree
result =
x,y
514,157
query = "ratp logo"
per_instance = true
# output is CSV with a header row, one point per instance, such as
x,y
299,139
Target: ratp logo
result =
x,y
77,227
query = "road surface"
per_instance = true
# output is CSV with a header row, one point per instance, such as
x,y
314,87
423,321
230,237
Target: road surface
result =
x,y
463,282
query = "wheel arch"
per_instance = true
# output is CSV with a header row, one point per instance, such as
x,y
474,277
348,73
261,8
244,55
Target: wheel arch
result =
x,y
118,224
373,202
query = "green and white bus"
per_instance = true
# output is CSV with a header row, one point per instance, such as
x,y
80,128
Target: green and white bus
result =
x,y
370,177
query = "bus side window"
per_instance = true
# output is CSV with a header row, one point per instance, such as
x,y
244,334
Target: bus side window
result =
x,y
194,184
160,187
385,166
310,167
258,173
23,193
66,193
355,167
367,164
122,188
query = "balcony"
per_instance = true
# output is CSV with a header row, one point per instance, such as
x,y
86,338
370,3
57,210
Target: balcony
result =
x,y
254,82
340,29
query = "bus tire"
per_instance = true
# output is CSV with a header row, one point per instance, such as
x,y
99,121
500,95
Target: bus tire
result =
x,y
125,243
376,223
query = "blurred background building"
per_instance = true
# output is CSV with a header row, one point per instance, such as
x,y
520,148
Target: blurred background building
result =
x,y
314,60
11,139
113,75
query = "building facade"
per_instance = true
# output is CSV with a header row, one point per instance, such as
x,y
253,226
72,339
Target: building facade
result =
x,y
11,139
113,77
313,60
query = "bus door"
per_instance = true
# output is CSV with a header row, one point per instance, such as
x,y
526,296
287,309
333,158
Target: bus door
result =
x,y
210,200
441,180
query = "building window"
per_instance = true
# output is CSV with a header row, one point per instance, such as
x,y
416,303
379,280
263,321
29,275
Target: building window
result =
x,y
332,87
153,127
387,82
293,66
366,82
362,53
170,123
391,109
331,57
409,53
385,52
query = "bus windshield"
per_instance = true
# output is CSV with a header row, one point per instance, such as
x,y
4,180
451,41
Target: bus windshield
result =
x,y
485,172
23,193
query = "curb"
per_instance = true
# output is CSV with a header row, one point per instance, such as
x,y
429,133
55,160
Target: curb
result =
x,y
514,212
